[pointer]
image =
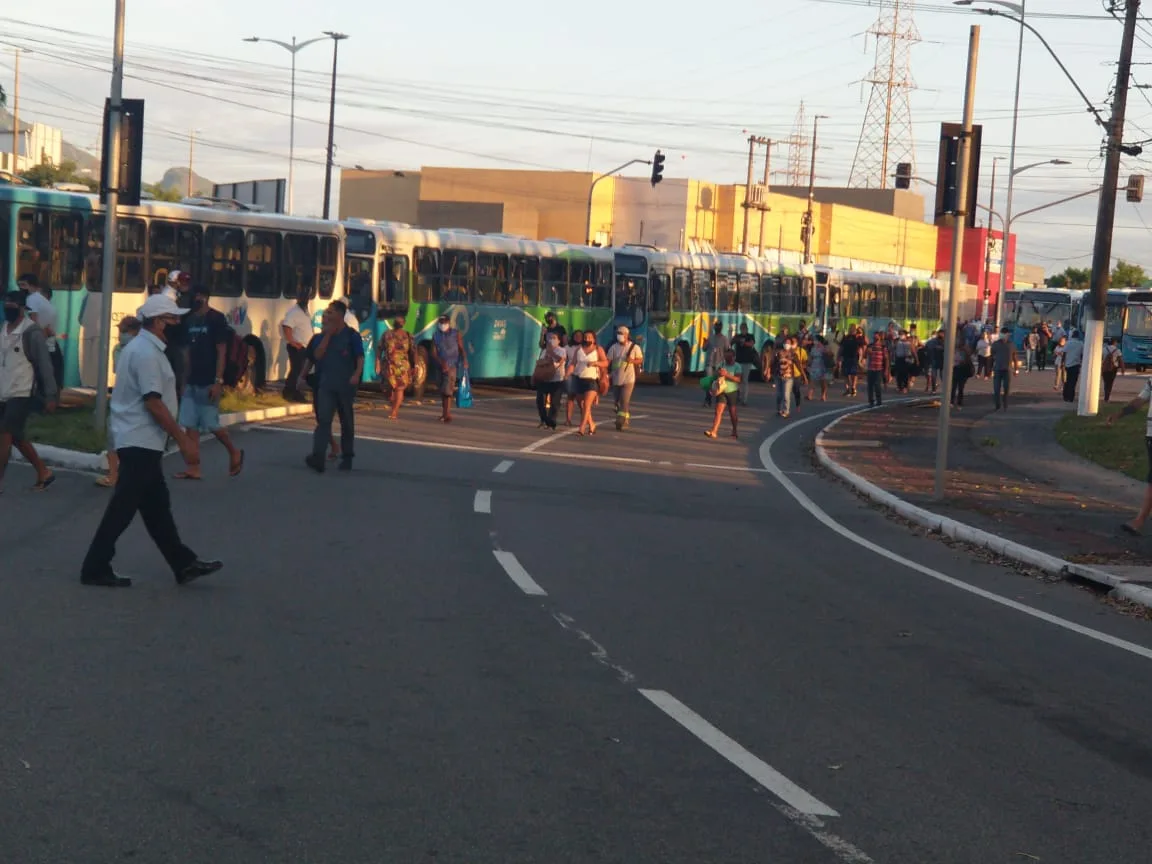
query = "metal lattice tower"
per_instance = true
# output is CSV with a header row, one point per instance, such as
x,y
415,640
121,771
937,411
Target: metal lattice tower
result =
x,y
886,136
798,150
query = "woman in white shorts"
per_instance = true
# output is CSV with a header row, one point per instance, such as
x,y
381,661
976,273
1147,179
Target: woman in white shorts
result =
x,y
819,361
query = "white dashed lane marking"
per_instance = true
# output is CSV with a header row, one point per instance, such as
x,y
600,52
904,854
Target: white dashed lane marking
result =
x,y
482,503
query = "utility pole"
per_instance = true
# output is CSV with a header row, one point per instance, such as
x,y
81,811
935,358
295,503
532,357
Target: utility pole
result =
x,y
808,226
111,173
1090,368
335,37
988,244
16,113
764,203
191,141
958,224
753,140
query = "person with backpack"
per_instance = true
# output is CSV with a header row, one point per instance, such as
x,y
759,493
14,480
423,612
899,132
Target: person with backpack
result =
x,y
1113,363
25,379
209,340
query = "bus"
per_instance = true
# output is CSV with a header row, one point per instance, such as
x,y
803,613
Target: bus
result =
x,y
1136,342
254,264
1114,314
877,300
1027,307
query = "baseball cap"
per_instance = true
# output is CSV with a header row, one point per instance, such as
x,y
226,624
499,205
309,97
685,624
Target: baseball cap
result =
x,y
158,305
445,317
179,277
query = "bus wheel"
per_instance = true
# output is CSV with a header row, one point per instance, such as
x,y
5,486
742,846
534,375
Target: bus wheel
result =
x,y
675,375
420,373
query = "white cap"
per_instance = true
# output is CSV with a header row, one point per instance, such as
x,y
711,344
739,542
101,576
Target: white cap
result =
x,y
158,305
175,277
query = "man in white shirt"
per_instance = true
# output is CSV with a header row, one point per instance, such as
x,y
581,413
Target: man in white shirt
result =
x,y
41,310
1136,526
1073,357
298,332
624,359
143,410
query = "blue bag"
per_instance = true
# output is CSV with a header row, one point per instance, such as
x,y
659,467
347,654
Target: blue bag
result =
x,y
464,391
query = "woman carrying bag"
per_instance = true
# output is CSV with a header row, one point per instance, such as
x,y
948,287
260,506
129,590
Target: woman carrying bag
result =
x,y
549,379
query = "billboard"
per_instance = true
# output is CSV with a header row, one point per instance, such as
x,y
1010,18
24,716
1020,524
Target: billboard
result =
x,y
268,195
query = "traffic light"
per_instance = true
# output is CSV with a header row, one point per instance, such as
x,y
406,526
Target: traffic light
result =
x,y
657,168
1134,191
903,175
131,151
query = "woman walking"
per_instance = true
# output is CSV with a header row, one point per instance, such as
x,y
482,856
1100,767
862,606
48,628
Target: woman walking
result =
x,y
590,364
724,393
961,370
549,378
395,360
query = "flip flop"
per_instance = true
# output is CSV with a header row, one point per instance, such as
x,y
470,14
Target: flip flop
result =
x,y
235,471
1128,529
106,482
184,475
41,485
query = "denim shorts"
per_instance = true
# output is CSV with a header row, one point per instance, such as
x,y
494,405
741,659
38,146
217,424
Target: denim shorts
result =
x,y
198,411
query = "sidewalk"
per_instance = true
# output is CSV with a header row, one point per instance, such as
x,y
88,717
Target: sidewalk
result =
x,y
1007,476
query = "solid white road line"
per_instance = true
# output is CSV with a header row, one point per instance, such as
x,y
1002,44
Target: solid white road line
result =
x,y
483,501
503,467
754,767
437,445
555,436
518,574
814,509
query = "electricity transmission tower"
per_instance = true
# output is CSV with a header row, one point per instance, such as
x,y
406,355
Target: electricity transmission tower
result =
x,y
886,136
798,142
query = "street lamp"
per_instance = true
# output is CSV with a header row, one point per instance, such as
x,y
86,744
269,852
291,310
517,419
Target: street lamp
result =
x,y
335,37
811,191
293,48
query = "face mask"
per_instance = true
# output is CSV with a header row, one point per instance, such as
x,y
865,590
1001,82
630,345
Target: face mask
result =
x,y
198,304
589,343
553,341
621,338
399,325
125,338
444,328
11,314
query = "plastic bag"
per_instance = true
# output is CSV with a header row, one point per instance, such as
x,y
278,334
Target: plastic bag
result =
x,y
464,392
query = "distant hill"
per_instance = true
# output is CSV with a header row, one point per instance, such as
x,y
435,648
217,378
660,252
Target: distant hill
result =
x,y
177,178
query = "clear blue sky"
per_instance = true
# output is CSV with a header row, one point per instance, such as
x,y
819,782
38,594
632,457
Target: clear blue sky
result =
x,y
506,84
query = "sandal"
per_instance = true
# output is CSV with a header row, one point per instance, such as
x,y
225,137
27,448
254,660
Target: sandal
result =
x,y
234,470
106,482
1128,529
41,485
184,475
710,434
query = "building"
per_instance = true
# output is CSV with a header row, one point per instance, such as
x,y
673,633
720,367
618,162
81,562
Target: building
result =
x,y
38,144
877,230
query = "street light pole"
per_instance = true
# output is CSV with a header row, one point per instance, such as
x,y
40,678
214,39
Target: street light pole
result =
x,y
958,222
111,173
808,226
293,48
1011,176
592,188
335,37
987,291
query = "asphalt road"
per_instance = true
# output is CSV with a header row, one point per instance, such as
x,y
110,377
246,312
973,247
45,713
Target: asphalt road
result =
x,y
493,644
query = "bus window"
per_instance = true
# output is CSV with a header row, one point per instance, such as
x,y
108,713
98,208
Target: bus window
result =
x,y
915,303
50,248
682,290
661,297
32,244
554,290
580,278
492,281
631,298
459,283
94,254
173,247
222,252
130,260
299,266
427,289
525,286
602,296
67,251
394,282
358,278
899,300
703,291
807,290
746,286
5,258
728,294
326,272
261,255
770,294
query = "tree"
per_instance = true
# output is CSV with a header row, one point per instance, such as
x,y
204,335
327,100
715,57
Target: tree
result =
x,y
3,97
1126,275
163,193
1072,277
47,175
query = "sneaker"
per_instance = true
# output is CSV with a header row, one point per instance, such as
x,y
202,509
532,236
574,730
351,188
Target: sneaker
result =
x,y
315,464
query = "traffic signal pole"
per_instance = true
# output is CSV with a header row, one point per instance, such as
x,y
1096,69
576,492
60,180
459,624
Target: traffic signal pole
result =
x,y
1090,368
616,170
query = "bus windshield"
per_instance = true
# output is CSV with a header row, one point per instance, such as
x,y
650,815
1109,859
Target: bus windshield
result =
x,y
1034,311
1114,321
1140,320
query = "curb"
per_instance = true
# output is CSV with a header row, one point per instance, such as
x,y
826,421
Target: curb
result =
x,y
953,529
95,463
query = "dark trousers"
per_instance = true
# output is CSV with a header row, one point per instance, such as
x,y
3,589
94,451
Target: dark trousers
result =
x,y
1071,376
903,373
960,375
330,403
1000,382
295,364
548,402
57,357
139,489
1109,380
1042,357
875,386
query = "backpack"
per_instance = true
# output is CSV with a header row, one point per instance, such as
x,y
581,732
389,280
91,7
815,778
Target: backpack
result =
x,y
1110,360
235,358
37,395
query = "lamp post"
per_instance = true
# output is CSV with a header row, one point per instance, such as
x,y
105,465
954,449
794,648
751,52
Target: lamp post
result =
x,y
293,48
808,227
335,37
592,188
987,292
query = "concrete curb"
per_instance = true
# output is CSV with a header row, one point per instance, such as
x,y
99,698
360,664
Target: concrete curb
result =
x,y
948,527
95,463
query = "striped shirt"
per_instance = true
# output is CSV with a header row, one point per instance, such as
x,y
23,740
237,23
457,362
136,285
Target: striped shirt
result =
x,y
877,357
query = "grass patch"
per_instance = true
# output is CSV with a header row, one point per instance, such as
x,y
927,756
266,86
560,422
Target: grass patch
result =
x,y
1118,448
232,401
69,427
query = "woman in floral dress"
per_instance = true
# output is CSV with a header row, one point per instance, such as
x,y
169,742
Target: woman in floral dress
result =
x,y
394,361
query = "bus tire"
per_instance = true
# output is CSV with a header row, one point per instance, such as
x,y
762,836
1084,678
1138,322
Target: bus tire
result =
x,y
420,372
255,379
675,374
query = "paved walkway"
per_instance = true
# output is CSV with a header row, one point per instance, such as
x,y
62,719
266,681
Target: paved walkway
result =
x,y
1007,474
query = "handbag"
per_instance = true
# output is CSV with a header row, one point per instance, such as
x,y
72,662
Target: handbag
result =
x,y
602,384
545,370
464,392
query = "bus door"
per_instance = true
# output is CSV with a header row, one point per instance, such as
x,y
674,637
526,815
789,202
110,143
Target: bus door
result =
x,y
631,301
358,280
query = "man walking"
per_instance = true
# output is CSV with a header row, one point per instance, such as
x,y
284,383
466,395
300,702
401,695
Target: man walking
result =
x,y
624,359
208,335
1003,362
448,353
337,353
297,329
24,361
41,310
1073,357
1112,364
143,411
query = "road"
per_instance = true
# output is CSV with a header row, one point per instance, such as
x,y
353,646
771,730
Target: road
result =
x,y
489,644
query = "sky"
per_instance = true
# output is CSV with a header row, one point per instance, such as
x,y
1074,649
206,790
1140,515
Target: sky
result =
x,y
505,84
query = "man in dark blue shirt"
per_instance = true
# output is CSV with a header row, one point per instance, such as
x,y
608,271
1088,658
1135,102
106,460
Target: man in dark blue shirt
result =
x,y
337,354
